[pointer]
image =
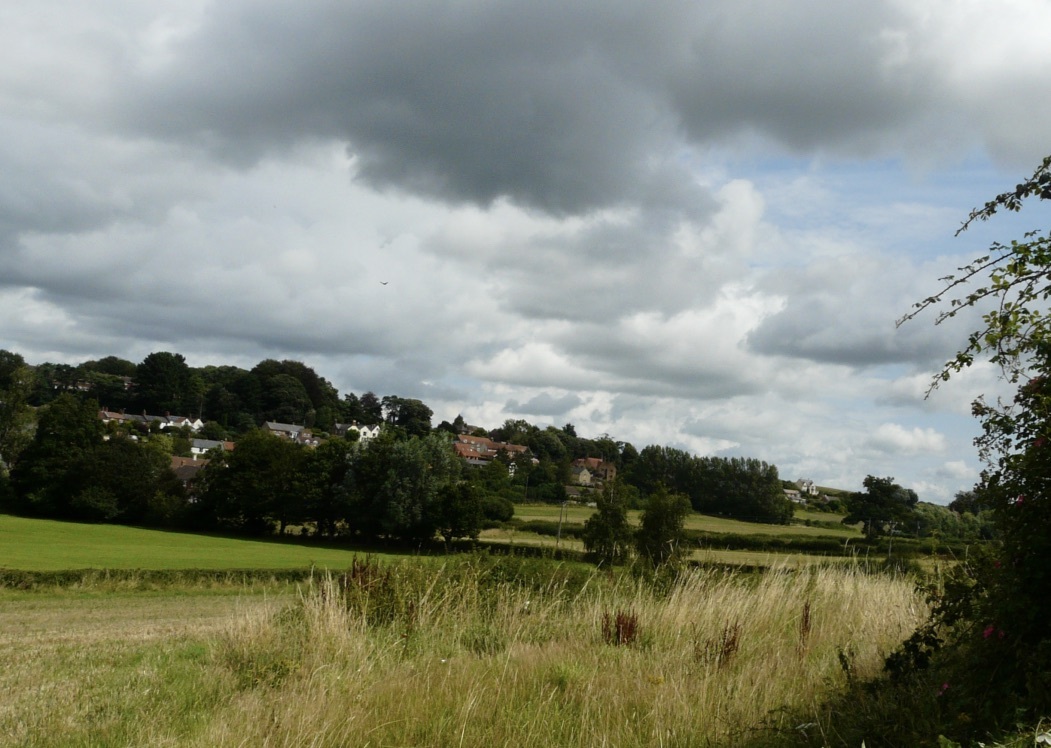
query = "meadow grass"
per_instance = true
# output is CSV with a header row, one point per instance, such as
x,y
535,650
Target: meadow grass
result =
x,y
475,652
515,537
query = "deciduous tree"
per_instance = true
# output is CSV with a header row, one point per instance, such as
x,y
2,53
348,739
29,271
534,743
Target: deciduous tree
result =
x,y
661,537
16,417
880,506
410,415
52,468
608,536
164,383
395,486
459,512
321,485
255,487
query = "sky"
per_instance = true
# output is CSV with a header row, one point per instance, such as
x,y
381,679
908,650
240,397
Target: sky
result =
x,y
675,222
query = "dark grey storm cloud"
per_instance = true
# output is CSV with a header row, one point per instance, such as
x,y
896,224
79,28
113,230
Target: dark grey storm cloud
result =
x,y
836,84
561,106
467,101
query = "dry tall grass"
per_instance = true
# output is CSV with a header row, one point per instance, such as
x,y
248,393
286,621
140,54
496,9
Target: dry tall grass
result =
x,y
412,655
712,661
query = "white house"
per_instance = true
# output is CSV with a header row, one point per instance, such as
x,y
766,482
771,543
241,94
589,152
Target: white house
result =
x,y
202,446
807,487
365,432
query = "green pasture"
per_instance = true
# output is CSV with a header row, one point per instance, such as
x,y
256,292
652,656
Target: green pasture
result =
x,y
48,545
577,515
813,515
722,524
767,559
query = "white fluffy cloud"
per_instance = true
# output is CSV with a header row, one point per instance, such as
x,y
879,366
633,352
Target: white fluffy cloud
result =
x,y
896,439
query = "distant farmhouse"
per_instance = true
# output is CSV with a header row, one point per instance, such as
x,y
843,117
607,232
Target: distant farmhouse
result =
x,y
592,471
200,447
167,421
480,450
579,475
365,433
186,470
298,434
807,487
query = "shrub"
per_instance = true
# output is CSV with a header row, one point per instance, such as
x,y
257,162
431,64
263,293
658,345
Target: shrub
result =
x,y
660,538
607,534
497,508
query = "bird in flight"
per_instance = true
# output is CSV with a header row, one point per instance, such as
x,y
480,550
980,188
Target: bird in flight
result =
x,y
383,283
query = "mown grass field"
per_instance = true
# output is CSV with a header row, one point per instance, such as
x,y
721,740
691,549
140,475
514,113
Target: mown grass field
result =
x,y
47,545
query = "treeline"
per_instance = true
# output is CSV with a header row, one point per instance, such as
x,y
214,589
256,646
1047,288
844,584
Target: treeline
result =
x,y
409,489
69,465
885,508
231,400
742,488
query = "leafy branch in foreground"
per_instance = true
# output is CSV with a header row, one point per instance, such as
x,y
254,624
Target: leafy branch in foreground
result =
x,y
1039,184
1018,283
989,629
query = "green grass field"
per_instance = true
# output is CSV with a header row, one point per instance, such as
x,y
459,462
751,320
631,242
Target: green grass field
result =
x,y
46,545
577,515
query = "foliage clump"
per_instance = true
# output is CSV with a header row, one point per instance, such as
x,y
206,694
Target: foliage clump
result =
x,y
881,506
986,648
608,534
661,537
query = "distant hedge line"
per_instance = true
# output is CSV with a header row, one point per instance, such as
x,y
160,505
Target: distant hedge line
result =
x,y
818,545
829,546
